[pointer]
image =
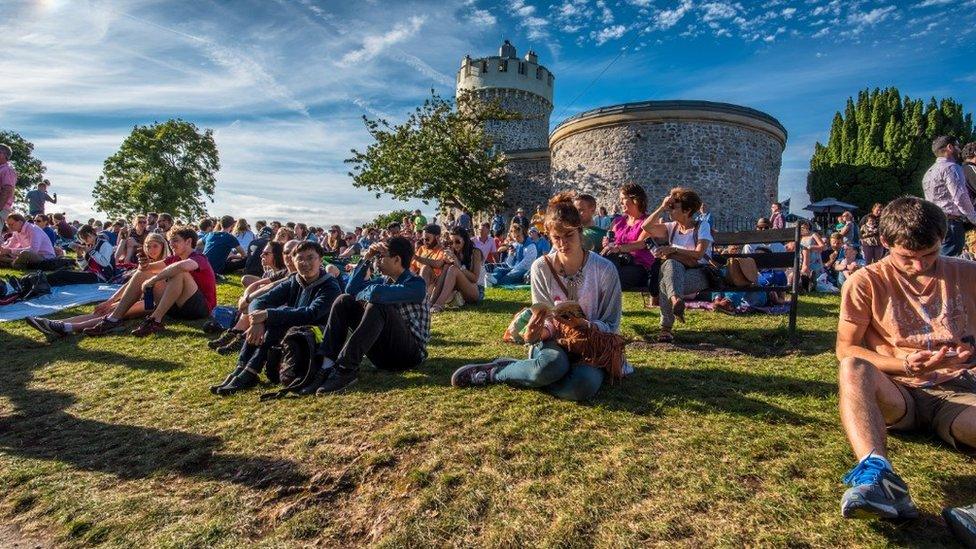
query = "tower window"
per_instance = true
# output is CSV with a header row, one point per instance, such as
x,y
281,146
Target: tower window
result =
x,y
521,68
484,66
538,73
503,65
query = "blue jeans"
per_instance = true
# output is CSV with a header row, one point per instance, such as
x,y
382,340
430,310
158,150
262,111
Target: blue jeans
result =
x,y
505,275
955,238
548,368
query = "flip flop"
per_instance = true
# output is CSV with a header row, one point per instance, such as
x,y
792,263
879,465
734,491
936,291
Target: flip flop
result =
x,y
665,337
678,310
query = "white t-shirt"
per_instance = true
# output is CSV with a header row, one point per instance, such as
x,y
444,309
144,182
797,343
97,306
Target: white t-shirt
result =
x,y
686,239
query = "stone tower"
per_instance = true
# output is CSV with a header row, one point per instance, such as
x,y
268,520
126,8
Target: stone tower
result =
x,y
521,85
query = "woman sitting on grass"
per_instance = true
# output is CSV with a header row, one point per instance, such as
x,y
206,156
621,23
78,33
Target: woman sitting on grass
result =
x,y
465,272
156,249
568,274
230,341
273,263
520,254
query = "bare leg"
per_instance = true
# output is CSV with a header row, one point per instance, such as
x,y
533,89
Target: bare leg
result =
x,y
869,401
131,295
964,428
178,289
445,286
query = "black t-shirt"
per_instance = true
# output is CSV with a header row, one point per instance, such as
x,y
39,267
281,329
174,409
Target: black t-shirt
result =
x,y
252,265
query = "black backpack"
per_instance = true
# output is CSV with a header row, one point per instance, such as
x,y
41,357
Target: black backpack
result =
x,y
32,285
296,366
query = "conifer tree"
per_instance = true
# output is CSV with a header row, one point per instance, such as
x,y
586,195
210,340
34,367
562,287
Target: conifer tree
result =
x,y
880,147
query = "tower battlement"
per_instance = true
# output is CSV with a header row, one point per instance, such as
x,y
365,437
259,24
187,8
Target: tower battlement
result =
x,y
506,71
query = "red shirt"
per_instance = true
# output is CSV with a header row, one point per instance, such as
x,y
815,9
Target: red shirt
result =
x,y
203,275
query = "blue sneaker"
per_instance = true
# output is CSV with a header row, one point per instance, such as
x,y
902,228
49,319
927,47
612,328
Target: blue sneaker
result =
x,y
962,522
876,492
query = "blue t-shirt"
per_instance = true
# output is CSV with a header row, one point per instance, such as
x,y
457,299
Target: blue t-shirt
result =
x,y
110,237
217,246
52,234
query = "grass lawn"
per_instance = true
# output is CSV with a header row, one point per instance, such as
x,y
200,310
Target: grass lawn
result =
x,y
728,439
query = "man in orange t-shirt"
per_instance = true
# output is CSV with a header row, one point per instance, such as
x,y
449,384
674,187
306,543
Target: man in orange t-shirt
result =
x,y
906,339
428,261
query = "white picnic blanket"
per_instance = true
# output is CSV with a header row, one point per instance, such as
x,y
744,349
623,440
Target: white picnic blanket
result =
x,y
60,298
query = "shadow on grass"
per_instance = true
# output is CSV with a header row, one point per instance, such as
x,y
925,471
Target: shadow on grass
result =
x,y
755,342
40,428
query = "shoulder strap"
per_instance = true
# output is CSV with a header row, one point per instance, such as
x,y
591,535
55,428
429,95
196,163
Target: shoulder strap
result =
x,y
671,233
555,275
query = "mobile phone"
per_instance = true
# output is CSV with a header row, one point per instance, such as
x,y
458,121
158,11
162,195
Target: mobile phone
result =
x,y
651,245
951,353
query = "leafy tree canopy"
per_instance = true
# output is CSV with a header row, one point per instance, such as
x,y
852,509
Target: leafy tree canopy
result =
x,y
30,170
166,167
441,153
381,221
881,145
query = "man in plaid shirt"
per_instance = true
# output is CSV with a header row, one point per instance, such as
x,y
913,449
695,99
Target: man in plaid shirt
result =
x,y
389,316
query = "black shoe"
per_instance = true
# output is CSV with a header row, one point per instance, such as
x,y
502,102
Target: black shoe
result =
x,y
230,376
244,380
473,375
222,340
962,522
234,346
40,324
340,380
317,380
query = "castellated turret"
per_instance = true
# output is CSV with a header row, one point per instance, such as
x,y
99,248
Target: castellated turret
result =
x,y
524,86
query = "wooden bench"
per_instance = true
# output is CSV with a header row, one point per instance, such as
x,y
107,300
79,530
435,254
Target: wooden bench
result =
x,y
767,260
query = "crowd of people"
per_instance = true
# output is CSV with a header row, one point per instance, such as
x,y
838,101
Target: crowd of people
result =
x,y
906,334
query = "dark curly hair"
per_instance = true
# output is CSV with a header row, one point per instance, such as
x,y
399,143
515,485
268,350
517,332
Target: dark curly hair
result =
x,y
635,191
969,151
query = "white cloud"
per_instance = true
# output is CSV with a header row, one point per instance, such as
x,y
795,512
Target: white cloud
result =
x,y
665,19
608,33
788,12
717,10
930,3
483,17
373,45
872,17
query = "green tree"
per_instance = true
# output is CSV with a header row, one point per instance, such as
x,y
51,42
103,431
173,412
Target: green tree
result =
x,y
441,152
383,220
30,170
167,167
880,147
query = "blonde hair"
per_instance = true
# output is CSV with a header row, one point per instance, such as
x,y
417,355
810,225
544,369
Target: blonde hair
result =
x,y
159,239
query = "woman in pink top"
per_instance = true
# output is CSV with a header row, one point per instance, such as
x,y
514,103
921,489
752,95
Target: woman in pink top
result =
x,y
627,249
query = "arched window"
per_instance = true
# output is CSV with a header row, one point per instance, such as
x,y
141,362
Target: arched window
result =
x,y
503,65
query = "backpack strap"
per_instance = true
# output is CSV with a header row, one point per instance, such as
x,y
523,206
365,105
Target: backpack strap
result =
x,y
555,276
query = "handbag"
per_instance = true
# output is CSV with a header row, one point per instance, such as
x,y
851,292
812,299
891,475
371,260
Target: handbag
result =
x,y
741,272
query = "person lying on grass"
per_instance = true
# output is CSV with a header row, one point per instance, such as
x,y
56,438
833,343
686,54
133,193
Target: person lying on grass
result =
x,y
303,298
155,249
182,286
568,273
386,318
905,340
464,272
683,260
231,340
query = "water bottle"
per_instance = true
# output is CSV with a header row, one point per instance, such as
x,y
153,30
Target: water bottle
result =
x,y
522,321
148,299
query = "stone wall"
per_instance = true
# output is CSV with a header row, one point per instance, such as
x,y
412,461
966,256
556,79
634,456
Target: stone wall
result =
x,y
530,132
529,183
734,168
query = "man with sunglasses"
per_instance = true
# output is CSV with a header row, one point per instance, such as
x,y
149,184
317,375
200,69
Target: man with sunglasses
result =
x,y
906,338
384,315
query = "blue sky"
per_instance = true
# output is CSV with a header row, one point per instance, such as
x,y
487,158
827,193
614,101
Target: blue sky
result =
x,y
283,83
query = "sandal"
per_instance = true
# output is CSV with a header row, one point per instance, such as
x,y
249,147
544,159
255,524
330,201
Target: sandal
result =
x,y
665,337
678,310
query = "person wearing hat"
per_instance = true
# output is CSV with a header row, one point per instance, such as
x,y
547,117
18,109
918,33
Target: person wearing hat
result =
x,y
944,184
37,198
542,244
520,219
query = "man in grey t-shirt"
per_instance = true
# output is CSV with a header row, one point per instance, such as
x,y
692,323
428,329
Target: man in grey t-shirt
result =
x,y
37,198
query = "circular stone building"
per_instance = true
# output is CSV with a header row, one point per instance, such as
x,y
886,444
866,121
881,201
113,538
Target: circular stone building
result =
x,y
730,154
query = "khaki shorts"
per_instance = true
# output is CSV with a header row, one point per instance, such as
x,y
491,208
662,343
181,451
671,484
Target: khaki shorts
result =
x,y
937,407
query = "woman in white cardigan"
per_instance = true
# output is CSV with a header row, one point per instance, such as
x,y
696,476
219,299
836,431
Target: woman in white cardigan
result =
x,y
568,273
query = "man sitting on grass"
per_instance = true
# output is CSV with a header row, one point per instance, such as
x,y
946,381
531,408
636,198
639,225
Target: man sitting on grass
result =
x,y
27,246
218,246
305,297
389,319
906,339
182,286
428,262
